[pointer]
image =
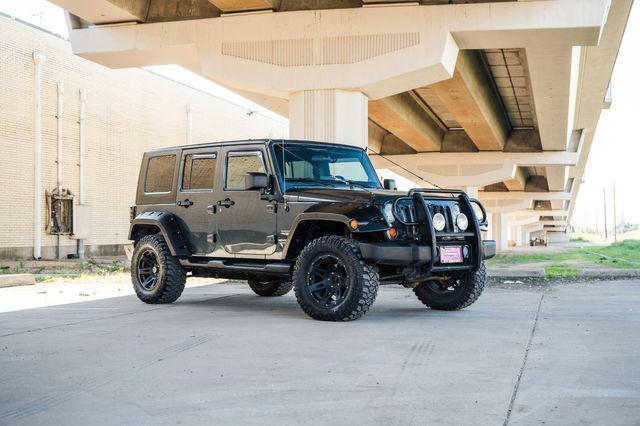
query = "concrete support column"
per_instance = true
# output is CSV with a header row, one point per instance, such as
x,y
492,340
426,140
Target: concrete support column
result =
x,y
517,235
500,227
333,115
472,191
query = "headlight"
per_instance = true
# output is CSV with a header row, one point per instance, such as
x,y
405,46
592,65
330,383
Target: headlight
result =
x,y
439,222
455,210
462,222
387,212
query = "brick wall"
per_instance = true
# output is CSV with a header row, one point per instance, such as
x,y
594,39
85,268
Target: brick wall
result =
x,y
127,112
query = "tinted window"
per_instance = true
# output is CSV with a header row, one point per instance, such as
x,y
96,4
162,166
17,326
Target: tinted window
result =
x,y
198,172
239,164
160,174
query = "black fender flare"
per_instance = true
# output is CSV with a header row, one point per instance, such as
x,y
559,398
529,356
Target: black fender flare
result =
x,y
168,225
311,216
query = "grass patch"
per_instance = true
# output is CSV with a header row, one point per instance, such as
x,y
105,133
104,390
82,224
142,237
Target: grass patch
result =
x,y
561,271
579,240
623,255
19,269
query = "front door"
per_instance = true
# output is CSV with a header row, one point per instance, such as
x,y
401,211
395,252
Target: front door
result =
x,y
194,200
246,223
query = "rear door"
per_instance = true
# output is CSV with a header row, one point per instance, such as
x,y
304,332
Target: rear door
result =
x,y
246,223
194,200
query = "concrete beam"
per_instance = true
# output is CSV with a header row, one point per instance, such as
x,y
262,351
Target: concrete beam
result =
x,y
529,159
348,49
553,76
106,11
556,178
227,6
470,96
519,181
522,195
561,223
402,116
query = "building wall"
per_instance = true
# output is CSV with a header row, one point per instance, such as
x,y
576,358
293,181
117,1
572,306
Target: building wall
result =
x,y
127,112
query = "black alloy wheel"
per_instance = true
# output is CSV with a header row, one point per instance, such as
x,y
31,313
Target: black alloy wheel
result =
x,y
454,293
328,281
147,270
331,280
157,276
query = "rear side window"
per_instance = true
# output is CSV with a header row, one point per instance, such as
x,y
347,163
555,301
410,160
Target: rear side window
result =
x,y
159,176
239,164
199,170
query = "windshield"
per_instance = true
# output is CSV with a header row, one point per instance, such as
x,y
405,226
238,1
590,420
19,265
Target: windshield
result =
x,y
307,164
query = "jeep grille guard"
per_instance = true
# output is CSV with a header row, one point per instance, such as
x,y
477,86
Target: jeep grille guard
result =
x,y
429,235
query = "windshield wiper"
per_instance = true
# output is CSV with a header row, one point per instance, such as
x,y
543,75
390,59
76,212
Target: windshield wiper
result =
x,y
312,180
351,182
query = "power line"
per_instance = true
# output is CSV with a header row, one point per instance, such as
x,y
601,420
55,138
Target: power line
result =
x,y
405,169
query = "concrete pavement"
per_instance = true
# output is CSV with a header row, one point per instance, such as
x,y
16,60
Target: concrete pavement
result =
x,y
561,355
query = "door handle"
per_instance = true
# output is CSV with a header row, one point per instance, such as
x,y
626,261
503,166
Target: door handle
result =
x,y
226,203
186,203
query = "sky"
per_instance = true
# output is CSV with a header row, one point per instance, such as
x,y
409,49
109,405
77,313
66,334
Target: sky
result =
x,y
614,156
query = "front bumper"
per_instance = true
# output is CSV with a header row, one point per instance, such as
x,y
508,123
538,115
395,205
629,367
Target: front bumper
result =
x,y
395,253
408,254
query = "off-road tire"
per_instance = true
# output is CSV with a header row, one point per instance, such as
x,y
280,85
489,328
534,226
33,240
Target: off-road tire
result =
x,y
270,288
363,279
468,291
171,276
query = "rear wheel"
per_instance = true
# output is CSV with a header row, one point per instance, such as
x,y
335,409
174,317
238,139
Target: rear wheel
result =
x,y
332,282
157,276
453,294
270,288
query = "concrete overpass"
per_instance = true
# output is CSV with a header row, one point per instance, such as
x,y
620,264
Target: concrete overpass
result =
x,y
501,98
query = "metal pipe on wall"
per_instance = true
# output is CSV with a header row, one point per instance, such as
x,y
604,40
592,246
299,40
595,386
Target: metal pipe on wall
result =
x,y
59,116
83,99
38,59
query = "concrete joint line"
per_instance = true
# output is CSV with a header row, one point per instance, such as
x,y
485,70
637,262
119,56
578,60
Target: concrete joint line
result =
x,y
514,394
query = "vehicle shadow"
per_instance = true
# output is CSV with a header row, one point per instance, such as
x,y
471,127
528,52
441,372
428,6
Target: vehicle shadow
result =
x,y
246,302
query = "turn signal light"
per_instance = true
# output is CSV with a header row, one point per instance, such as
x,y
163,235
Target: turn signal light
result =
x,y
392,233
353,224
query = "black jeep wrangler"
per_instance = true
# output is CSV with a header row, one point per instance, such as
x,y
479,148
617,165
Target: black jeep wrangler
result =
x,y
305,215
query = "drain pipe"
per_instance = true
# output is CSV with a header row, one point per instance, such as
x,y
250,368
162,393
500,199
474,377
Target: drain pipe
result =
x,y
38,59
83,99
60,127
60,152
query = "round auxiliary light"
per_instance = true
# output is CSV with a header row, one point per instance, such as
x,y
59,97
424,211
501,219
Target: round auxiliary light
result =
x,y
353,224
387,212
439,222
462,222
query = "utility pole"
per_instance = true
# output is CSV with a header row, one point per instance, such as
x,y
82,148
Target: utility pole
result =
x,y
615,216
606,233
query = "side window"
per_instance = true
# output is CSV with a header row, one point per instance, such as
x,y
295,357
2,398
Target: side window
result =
x,y
159,177
239,164
198,172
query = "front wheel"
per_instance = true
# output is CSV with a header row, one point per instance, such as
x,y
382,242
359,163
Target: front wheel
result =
x,y
453,294
332,282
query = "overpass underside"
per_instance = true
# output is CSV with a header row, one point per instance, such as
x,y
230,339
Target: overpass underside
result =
x,y
501,98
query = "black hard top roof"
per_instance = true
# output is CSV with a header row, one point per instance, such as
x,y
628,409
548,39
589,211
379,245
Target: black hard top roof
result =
x,y
242,142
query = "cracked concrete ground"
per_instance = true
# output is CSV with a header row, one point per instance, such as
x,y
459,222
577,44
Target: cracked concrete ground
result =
x,y
565,354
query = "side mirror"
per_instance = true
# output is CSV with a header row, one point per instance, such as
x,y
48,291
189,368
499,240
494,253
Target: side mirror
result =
x,y
389,184
256,181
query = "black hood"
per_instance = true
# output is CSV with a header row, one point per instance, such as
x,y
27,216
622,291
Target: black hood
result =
x,y
345,195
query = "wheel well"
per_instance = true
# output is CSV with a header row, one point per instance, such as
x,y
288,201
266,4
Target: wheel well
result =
x,y
309,230
140,231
